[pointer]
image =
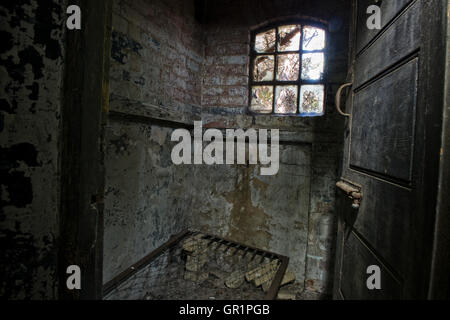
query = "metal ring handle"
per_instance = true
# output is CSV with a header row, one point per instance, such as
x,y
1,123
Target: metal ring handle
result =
x,y
338,99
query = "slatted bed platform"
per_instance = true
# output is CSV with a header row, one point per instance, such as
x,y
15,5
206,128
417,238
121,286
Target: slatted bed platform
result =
x,y
198,266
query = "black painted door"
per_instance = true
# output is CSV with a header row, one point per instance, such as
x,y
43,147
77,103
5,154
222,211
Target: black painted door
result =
x,y
391,150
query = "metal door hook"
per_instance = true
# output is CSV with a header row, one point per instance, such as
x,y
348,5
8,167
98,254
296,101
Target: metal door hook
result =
x,y
338,99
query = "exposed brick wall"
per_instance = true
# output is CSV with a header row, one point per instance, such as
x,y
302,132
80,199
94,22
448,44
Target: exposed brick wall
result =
x,y
225,78
227,36
157,52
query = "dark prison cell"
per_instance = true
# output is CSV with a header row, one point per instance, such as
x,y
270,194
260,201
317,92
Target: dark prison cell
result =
x,y
346,101
214,62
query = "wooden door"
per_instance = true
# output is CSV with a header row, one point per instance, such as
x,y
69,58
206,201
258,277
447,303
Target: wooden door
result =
x,y
392,150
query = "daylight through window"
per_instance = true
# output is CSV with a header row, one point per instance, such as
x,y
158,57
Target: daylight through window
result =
x,y
287,71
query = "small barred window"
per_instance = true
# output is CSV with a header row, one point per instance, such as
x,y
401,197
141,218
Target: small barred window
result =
x,y
287,71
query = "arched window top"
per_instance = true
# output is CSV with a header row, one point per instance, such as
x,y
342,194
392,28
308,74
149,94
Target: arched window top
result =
x,y
287,70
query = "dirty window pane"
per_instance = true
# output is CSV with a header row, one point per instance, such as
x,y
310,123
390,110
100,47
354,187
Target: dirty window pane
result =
x,y
262,99
312,66
313,38
311,100
286,99
263,70
289,37
265,41
288,67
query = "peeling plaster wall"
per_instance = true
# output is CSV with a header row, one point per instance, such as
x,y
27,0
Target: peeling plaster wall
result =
x,y
31,72
267,212
147,197
156,59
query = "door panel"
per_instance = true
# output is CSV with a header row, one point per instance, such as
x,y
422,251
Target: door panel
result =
x,y
357,257
391,151
384,220
398,41
389,10
383,125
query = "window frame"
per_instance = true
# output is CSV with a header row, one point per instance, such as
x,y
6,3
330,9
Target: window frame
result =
x,y
274,83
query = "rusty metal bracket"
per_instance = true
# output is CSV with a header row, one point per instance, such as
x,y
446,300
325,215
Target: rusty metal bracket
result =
x,y
353,191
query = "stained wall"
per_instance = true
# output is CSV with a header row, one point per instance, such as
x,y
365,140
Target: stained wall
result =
x,y
31,73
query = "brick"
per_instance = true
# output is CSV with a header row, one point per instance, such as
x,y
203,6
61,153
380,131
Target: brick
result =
x,y
195,276
195,243
233,101
227,48
210,90
261,270
235,280
236,81
238,91
195,263
231,251
210,100
286,295
215,80
289,277
266,277
239,60
192,65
